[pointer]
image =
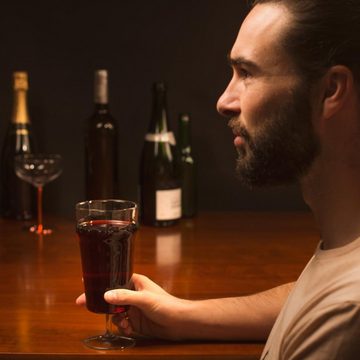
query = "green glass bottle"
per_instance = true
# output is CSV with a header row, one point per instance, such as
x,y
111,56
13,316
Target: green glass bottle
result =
x,y
160,188
187,168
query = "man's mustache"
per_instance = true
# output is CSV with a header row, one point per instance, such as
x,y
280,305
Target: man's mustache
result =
x,y
238,129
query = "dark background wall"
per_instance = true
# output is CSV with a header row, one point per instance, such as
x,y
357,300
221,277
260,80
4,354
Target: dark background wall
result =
x,y
184,42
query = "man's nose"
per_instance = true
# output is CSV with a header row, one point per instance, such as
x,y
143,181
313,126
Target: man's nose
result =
x,y
228,104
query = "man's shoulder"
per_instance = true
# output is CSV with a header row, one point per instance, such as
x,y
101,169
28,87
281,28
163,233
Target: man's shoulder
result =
x,y
332,329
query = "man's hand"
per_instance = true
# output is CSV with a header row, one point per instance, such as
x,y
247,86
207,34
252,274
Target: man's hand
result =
x,y
153,312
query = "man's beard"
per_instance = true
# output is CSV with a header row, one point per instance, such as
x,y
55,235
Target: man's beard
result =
x,y
283,148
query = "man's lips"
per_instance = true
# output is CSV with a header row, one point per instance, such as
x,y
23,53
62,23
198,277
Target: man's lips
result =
x,y
241,136
239,141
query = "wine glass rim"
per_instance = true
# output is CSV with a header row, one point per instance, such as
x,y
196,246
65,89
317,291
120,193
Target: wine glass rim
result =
x,y
83,205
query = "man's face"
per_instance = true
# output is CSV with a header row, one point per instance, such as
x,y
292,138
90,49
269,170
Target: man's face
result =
x,y
269,105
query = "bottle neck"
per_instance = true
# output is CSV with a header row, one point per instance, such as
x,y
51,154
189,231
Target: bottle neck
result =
x,y
101,88
159,118
185,134
20,112
101,108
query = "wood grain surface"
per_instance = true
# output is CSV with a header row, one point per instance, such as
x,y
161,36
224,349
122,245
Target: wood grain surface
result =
x,y
213,255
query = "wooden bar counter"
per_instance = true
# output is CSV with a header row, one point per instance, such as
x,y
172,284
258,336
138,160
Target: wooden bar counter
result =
x,y
213,255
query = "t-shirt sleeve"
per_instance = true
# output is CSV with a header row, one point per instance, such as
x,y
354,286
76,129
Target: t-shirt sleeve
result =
x,y
333,333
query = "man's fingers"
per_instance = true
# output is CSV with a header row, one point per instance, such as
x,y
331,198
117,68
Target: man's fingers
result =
x,y
81,300
123,323
142,282
142,297
128,297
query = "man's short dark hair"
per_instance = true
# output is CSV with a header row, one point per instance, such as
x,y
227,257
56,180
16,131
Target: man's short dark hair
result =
x,y
324,33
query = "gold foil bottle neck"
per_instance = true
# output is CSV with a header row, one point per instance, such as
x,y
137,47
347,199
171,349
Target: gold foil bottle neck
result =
x,y
21,80
20,112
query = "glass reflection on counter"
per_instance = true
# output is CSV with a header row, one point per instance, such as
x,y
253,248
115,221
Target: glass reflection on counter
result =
x,y
168,248
168,256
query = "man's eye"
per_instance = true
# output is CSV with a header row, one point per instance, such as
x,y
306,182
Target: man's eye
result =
x,y
243,73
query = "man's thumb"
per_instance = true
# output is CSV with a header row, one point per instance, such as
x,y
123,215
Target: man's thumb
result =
x,y
126,297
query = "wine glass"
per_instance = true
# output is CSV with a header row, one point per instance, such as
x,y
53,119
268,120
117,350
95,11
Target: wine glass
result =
x,y
106,230
38,170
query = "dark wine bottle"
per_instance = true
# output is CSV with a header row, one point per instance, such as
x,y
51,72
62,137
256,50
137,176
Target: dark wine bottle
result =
x,y
160,188
101,168
18,197
187,168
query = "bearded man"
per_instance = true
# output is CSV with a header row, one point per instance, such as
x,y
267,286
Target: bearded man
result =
x,y
294,108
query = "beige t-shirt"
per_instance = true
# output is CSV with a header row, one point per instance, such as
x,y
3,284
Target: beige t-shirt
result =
x,y
321,317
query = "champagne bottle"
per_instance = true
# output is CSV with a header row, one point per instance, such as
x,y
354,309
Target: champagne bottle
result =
x,y
187,168
160,190
101,145
18,197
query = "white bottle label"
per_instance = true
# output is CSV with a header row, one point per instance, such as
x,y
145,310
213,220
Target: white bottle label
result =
x,y
161,137
168,204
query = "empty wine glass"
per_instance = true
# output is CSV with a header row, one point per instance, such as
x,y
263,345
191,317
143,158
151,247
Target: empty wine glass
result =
x,y
38,170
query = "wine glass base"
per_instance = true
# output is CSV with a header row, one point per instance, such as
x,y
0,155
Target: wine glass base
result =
x,y
109,342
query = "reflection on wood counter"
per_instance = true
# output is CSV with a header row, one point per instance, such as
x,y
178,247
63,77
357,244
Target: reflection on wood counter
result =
x,y
213,255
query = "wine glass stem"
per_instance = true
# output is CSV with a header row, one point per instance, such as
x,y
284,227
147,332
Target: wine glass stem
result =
x,y
108,326
39,210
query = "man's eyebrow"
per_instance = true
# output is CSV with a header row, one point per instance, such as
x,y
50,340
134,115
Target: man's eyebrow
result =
x,y
241,61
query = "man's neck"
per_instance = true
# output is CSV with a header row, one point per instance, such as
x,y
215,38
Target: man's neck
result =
x,y
332,191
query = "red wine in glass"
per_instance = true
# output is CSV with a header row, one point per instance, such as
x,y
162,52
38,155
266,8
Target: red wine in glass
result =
x,y
106,251
106,230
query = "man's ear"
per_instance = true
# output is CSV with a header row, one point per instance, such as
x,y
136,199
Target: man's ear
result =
x,y
338,83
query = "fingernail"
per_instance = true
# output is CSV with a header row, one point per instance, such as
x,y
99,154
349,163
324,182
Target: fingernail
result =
x,y
110,295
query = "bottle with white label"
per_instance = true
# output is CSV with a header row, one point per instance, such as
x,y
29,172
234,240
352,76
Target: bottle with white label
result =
x,y
160,188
